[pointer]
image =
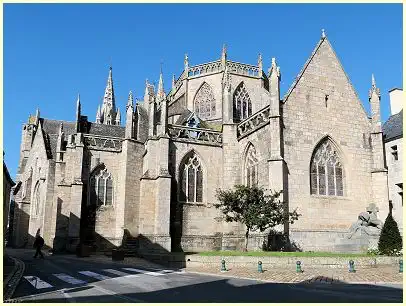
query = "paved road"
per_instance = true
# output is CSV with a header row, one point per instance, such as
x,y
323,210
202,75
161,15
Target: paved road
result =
x,y
66,278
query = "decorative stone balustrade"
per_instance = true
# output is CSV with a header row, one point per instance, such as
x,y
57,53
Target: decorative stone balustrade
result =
x,y
251,124
103,143
195,134
243,69
205,68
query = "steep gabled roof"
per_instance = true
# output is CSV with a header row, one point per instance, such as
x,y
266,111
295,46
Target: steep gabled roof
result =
x,y
309,60
393,127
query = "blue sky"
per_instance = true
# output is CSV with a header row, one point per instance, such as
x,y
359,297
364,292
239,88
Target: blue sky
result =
x,y
52,52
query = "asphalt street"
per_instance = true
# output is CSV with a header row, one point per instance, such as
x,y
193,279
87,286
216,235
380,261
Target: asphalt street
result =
x,y
66,278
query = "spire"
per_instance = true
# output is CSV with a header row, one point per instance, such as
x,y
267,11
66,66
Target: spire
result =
x,y
109,105
323,34
260,64
37,116
186,62
78,115
161,92
118,117
374,89
224,56
130,101
173,82
98,115
60,128
374,100
224,51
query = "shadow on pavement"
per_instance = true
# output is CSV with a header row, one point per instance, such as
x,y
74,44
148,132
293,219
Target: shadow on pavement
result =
x,y
230,291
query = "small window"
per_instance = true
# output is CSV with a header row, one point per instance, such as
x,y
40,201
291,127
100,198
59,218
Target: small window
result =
x,y
395,152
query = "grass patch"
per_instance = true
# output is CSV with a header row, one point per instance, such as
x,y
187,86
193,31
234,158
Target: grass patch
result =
x,y
282,254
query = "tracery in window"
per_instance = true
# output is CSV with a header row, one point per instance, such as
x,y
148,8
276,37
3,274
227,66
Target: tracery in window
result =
x,y
205,103
26,192
326,171
101,188
251,167
191,179
242,107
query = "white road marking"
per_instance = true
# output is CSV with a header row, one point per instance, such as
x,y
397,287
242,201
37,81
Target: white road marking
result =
x,y
116,272
172,271
69,279
144,271
37,282
94,275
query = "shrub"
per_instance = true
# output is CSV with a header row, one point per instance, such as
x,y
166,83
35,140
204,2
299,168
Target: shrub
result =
x,y
390,241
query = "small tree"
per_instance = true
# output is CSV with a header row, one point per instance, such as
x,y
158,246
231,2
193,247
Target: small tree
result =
x,y
252,207
390,238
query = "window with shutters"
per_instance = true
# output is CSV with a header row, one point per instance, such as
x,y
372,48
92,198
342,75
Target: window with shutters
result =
x,y
101,188
191,179
326,171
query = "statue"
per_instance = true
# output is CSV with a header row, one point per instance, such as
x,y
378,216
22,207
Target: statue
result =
x,y
367,222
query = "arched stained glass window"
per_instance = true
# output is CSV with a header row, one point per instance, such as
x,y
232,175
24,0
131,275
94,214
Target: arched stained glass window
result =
x,y
205,103
242,107
101,188
191,180
251,167
326,171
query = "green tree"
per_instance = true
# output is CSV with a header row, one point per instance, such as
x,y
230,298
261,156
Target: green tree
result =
x,y
254,208
390,238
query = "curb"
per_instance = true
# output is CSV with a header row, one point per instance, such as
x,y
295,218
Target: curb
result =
x,y
301,282
12,281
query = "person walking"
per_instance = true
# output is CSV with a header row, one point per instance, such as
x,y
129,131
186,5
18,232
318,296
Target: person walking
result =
x,y
38,244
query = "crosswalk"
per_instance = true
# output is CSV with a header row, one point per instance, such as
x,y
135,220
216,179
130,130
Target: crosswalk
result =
x,y
83,277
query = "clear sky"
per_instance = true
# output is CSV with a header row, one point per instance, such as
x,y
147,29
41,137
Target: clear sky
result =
x,y
52,52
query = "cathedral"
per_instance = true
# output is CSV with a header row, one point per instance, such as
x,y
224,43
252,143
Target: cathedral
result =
x,y
152,170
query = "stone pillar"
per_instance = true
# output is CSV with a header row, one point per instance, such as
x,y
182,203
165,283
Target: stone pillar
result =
x,y
76,193
163,197
379,173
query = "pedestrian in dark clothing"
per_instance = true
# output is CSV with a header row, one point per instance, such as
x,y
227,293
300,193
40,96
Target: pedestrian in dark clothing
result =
x,y
38,244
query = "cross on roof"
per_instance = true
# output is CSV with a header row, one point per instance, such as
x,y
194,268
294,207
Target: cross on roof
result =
x,y
372,208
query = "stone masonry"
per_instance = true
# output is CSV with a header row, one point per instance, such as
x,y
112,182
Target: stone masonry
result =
x,y
222,123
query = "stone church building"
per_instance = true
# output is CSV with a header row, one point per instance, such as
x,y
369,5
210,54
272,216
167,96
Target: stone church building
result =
x,y
152,170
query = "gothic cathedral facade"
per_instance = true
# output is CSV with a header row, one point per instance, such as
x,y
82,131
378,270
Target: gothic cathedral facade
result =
x,y
222,123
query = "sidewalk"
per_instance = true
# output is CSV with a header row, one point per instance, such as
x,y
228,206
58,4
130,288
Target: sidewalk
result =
x,y
383,274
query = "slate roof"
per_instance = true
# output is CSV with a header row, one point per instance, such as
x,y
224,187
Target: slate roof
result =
x,y
393,127
50,129
106,130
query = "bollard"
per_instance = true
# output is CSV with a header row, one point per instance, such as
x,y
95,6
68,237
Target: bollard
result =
x,y
223,266
352,269
260,267
298,267
401,266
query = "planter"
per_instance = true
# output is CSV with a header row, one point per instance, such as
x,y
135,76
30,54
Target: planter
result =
x,y
117,255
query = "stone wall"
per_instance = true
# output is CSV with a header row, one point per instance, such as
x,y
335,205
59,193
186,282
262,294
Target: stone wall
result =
x,y
394,178
308,118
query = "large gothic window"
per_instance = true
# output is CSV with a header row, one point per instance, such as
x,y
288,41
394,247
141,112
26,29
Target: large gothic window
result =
x,y
251,167
242,107
36,207
101,188
191,179
205,104
326,171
